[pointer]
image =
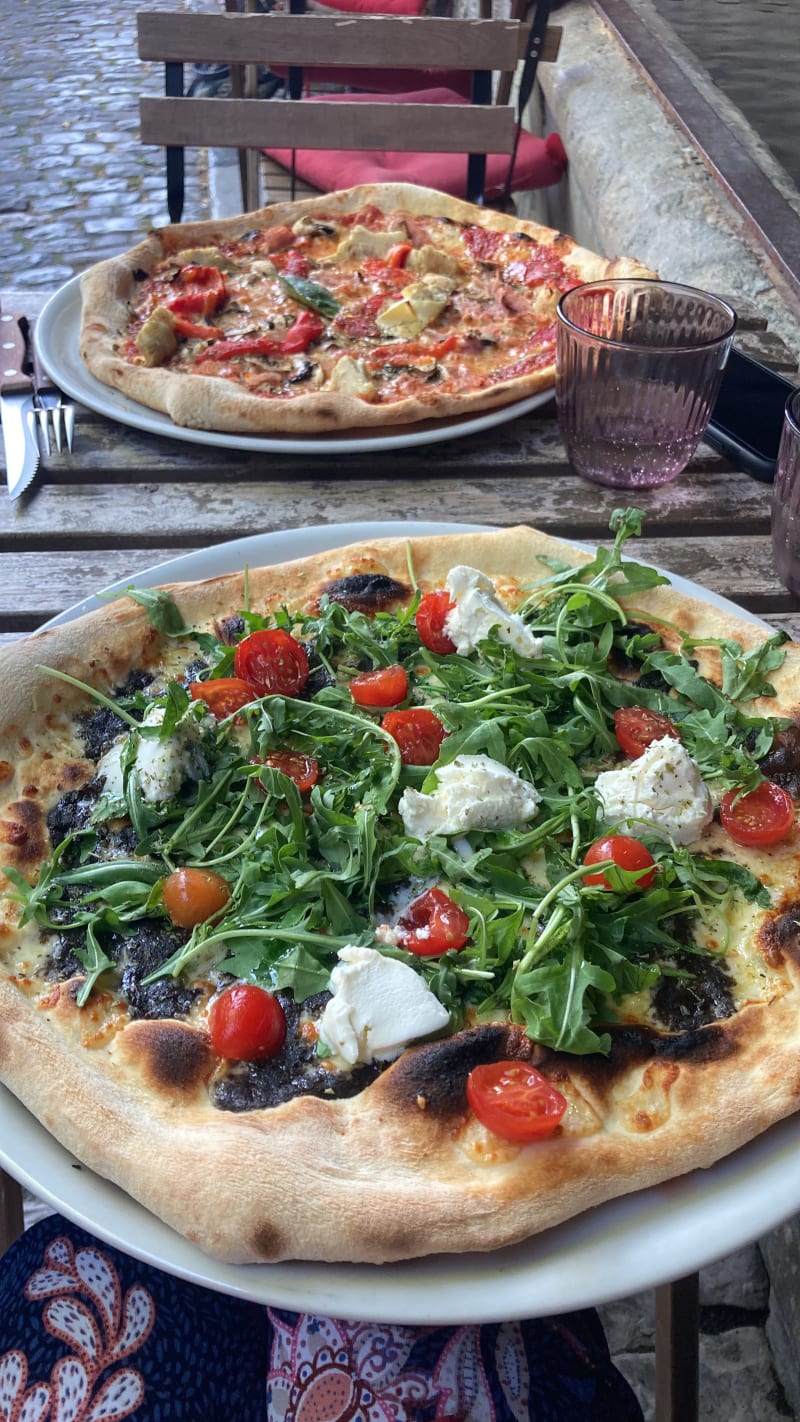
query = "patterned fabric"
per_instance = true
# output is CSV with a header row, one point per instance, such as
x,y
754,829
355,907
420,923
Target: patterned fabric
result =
x,y
88,1334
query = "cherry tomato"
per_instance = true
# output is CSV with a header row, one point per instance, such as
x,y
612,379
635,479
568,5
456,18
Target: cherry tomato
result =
x,y
273,661
636,728
514,1100
763,816
418,733
246,1023
432,924
302,769
224,696
385,686
430,619
626,852
192,896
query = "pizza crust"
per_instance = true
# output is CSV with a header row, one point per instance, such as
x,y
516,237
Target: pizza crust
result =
x,y
400,1170
209,402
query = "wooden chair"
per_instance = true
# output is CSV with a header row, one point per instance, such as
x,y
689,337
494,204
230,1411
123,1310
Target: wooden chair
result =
x,y
485,49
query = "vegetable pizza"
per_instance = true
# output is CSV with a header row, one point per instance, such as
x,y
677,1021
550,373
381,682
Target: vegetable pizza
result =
x,y
410,897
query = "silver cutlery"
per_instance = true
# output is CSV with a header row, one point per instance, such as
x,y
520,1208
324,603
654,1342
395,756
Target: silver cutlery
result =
x,y
16,408
54,415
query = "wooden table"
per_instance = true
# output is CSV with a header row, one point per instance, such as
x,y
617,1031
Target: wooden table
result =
x,y
125,500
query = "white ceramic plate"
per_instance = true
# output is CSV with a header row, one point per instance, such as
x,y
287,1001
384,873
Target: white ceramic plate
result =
x,y
610,1252
57,337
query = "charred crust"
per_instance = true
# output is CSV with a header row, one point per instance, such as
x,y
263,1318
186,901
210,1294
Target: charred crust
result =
x,y
780,936
267,1243
366,592
23,829
433,1077
173,1056
634,1048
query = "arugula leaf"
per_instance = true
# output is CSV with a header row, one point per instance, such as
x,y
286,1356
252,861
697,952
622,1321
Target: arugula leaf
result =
x,y
161,609
95,961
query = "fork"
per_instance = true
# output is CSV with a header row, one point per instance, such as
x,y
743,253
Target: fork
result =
x,y
54,415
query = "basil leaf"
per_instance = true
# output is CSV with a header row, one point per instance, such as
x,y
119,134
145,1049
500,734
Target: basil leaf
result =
x,y
311,294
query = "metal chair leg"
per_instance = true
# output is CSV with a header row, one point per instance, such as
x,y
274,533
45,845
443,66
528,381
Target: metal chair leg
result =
x,y
11,1219
678,1350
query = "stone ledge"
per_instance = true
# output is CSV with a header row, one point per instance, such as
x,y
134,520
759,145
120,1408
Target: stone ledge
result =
x,y
635,185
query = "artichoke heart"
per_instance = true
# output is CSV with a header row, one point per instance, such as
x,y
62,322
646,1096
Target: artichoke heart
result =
x,y
361,242
419,304
157,341
350,377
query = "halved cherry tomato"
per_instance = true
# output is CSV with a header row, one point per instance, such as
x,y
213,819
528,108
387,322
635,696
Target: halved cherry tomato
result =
x,y
273,661
224,696
192,896
418,733
302,769
515,1101
432,924
203,291
431,616
385,686
763,816
246,1023
626,853
636,727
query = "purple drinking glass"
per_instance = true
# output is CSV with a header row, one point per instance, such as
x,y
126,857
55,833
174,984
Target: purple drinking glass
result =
x,y
786,500
638,368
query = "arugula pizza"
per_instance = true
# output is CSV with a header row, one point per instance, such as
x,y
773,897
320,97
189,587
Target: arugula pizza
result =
x,y
381,305
406,898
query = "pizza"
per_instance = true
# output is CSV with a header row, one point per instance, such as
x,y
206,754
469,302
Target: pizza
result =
x,y
381,305
410,897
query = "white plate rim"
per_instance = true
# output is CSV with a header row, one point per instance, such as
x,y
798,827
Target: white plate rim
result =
x,y
57,339
614,1250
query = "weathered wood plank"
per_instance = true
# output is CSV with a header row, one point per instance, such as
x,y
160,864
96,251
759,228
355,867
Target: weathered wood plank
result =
x,y
727,566
150,515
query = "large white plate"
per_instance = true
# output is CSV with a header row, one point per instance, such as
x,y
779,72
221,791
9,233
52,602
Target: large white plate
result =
x,y
609,1252
57,336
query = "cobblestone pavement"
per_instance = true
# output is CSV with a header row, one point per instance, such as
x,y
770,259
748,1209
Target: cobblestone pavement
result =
x,y
76,185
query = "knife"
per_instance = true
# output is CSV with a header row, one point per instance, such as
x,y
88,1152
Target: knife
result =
x,y
16,408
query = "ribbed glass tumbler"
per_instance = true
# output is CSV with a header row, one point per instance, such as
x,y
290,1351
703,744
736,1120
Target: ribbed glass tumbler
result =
x,y
638,368
786,500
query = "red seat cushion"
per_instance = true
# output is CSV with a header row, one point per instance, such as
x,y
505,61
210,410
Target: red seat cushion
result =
x,y
377,7
540,162
384,81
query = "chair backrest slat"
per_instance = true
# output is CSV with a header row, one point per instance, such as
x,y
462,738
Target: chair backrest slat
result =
x,y
282,123
383,41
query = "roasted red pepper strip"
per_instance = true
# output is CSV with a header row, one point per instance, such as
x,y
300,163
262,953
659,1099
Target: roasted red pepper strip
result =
x,y
397,256
204,291
192,330
307,328
407,350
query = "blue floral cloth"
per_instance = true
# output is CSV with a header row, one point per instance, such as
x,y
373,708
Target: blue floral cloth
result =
x,y
88,1334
